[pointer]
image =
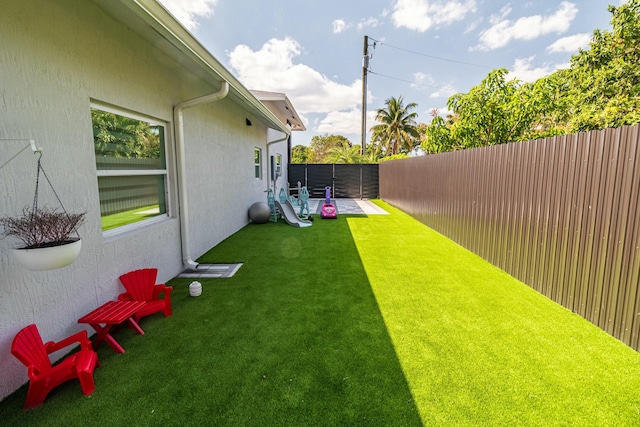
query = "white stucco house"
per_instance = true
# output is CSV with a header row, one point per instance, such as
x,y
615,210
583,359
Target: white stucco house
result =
x,y
69,69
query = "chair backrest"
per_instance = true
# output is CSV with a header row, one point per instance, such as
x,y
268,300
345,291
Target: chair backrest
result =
x,y
29,349
140,283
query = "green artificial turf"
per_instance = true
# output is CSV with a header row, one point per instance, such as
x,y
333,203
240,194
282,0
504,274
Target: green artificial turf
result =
x,y
478,347
373,321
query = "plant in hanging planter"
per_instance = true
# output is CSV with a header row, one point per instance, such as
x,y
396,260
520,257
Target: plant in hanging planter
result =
x,y
42,227
45,233
46,236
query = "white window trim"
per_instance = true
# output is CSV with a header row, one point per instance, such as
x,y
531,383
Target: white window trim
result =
x,y
125,230
114,233
259,164
130,172
278,164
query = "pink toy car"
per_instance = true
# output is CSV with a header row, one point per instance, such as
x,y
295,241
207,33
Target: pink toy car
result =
x,y
328,210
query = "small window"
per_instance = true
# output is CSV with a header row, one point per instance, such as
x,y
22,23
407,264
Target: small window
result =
x,y
257,163
131,167
278,165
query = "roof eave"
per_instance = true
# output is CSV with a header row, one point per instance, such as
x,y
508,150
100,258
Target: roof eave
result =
x,y
166,29
283,107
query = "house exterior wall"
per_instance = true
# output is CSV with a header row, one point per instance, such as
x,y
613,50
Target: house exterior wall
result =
x,y
56,57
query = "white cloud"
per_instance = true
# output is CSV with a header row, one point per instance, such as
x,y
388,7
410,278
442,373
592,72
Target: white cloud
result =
x,y
188,11
272,69
339,26
367,23
421,80
444,92
523,69
504,12
420,15
570,43
473,25
345,122
504,30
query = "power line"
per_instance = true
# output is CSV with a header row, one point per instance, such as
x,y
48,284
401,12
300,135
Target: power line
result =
x,y
406,81
430,56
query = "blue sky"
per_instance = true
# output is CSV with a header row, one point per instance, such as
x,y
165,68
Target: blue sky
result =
x,y
426,50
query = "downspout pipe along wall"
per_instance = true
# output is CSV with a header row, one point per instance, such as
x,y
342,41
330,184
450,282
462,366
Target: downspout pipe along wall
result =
x,y
182,182
286,136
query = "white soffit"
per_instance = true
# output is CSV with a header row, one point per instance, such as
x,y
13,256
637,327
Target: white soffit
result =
x,y
280,105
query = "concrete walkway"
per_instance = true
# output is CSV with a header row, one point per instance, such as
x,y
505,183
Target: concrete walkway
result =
x,y
349,206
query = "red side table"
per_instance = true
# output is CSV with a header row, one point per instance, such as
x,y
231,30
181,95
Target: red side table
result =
x,y
112,313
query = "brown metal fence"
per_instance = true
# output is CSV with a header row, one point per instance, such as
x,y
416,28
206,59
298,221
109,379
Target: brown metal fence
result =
x,y
560,214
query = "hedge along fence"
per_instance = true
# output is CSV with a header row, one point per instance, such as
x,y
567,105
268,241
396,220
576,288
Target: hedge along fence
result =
x,y
560,214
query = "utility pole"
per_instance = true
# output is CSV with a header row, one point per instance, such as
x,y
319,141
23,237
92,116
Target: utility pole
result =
x,y
365,67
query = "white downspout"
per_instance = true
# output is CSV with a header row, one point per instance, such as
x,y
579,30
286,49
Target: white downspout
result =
x,y
182,182
269,163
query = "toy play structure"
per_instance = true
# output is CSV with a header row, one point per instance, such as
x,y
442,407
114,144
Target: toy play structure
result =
x,y
288,213
285,207
271,201
303,201
328,209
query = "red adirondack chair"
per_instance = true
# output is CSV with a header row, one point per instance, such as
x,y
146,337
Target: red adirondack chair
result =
x,y
141,286
29,349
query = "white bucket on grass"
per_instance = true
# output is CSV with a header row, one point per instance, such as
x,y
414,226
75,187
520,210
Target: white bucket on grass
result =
x,y
195,289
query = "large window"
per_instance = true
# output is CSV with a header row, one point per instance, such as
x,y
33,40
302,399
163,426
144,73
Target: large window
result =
x,y
257,163
132,168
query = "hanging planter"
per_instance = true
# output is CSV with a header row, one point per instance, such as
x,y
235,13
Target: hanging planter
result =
x,y
45,233
49,258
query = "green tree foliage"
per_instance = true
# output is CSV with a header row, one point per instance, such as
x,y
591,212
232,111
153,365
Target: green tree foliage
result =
x,y
346,153
394,157
332,149
120,136
551,112
372,155
300,154
494,112
601,89
604,82
397,130
322,145
438,137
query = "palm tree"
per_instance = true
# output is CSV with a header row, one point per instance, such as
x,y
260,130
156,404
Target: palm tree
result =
x,y
397,129
345,153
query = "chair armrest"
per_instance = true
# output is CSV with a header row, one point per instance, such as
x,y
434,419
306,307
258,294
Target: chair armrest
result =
x,y
80,337
32,373
162,289
126,296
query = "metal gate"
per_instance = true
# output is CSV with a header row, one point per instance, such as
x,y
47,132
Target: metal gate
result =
x,y
346,181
